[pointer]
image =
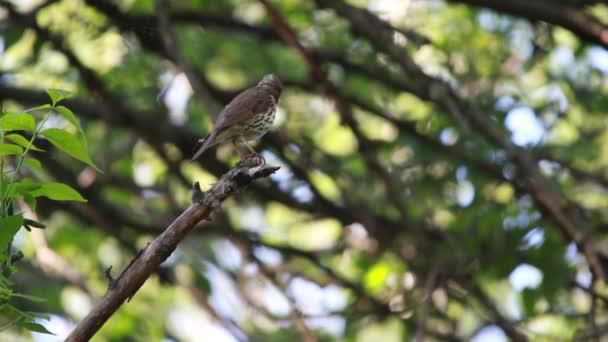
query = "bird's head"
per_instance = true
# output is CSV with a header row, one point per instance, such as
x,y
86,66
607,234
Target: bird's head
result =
x,y
273,84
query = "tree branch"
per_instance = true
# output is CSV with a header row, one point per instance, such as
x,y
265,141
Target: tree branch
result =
x,y
585,26
149,259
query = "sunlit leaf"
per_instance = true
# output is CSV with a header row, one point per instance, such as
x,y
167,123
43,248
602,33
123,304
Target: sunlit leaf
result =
x,y
69,143
8,228
35,327
375,278
325,185
68,115
316,235
33,163
58,192
41,107
57,95
17,121
22,141
10,149
25,186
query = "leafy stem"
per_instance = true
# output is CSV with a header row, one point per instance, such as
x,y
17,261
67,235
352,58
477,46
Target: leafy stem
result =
x,y
2,207
5,197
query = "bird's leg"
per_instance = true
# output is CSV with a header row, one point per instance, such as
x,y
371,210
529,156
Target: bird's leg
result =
x,y
252,152
236,147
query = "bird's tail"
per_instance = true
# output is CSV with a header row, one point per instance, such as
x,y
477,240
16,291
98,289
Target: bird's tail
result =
x,y
203,145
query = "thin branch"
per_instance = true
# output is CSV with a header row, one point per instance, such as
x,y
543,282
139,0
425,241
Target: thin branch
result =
x,y
427,300
504,323
297,315
228,324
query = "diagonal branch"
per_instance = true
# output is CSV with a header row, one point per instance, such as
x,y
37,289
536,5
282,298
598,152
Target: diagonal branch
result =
x,y
287,34
584,25
150,258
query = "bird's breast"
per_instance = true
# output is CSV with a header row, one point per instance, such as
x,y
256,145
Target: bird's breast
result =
x,y
259,124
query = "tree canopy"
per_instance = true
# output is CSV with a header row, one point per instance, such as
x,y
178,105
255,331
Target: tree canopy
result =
x,y
444,168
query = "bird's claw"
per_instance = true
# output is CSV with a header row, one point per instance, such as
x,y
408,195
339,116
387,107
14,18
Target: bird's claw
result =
x,y
258,158
252,160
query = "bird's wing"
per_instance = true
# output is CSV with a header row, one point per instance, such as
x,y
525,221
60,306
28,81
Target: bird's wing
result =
x,y
245,105
248,103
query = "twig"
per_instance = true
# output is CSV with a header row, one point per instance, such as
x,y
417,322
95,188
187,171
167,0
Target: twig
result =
x,y
297,315
498,318
227,324
108,274
427,300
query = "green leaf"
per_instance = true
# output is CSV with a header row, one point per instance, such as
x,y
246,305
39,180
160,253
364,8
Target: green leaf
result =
x,y
30,200
70,144
41,315
21,188
9,226
4,188
57,95
33,163
68,115
5,290
58,192
22,141
10,313
13,313
31,299
33,223
35,327
44,106
17,121
10,149
25,187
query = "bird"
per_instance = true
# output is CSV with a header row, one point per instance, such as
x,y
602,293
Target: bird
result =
x,y
247,117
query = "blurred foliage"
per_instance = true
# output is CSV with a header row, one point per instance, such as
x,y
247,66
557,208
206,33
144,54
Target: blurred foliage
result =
x,y
389,220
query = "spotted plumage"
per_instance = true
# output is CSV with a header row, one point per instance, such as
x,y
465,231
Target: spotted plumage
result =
x,y
247,117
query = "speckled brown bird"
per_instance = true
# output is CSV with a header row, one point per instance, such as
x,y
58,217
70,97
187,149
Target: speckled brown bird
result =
x,y
247,117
